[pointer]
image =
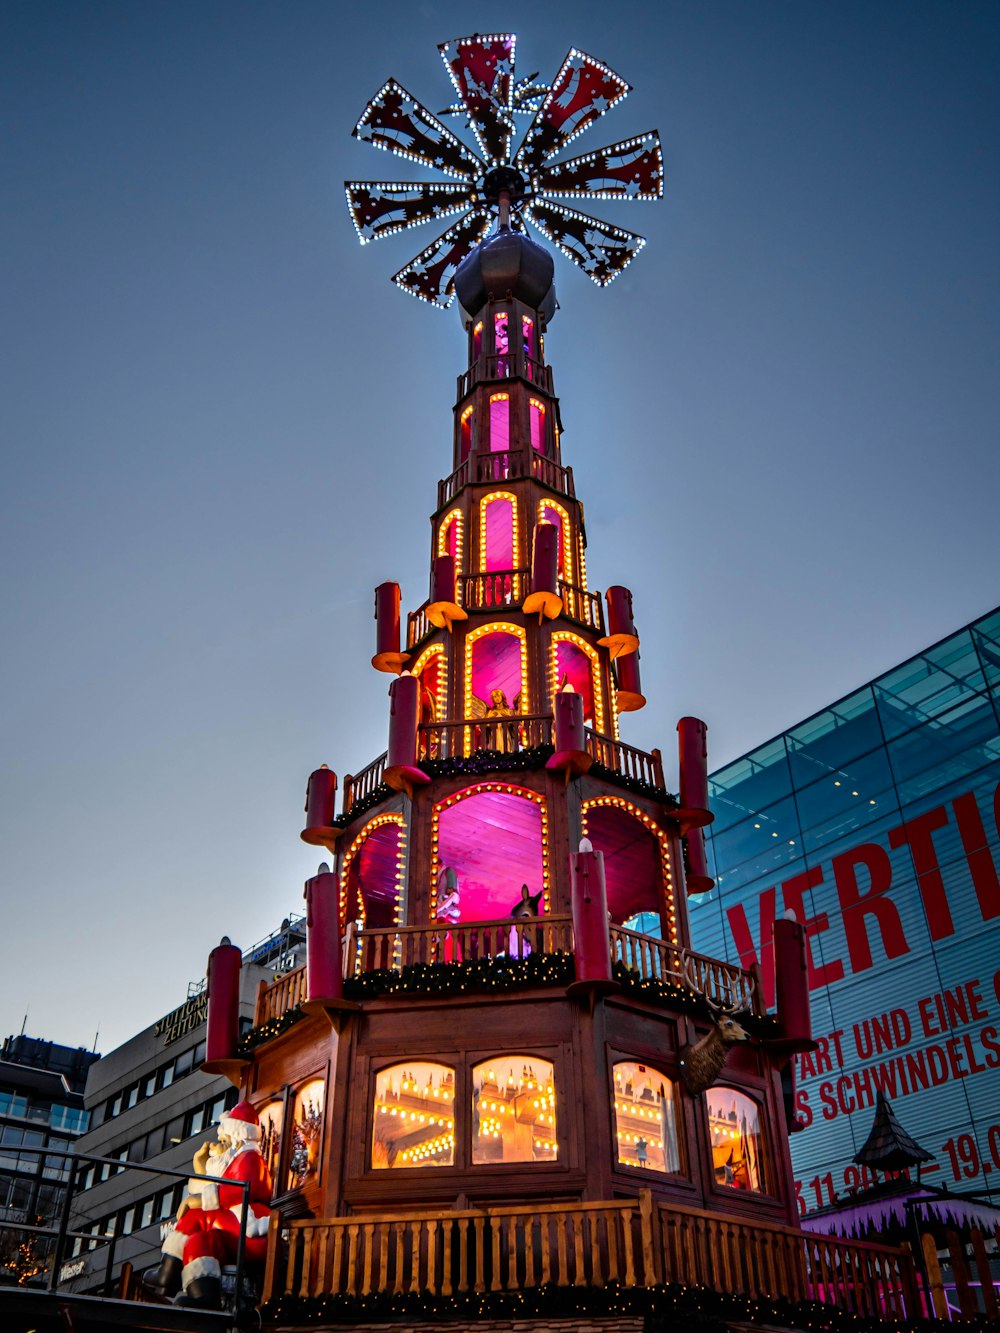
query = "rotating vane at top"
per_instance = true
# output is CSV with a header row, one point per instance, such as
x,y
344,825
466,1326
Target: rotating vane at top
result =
x,y
488,183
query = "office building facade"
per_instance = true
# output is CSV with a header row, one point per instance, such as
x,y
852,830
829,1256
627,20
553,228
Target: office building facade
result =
x,y
875,822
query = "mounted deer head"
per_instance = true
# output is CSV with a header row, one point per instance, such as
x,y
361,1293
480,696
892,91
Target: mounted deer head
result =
x,y
701,1064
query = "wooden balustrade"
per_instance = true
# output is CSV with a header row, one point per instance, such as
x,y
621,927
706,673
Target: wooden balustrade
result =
x,y
494,588
417,626
505,366
277,997
359,786
457,740
625,759
634,1242
582,606
516,937
511,465
552,474
722,983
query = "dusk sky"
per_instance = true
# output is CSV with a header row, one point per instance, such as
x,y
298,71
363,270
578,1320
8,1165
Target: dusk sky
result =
x,y
223,425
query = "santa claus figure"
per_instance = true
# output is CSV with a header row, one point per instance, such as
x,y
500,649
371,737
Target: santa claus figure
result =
x,y
207,1231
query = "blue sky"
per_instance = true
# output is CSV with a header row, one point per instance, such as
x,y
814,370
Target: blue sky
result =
x,y
223,425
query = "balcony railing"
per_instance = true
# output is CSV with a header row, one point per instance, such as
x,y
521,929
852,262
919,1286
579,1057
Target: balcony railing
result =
x,y
359,786
366,950
502,735
625,759
583,606
496,588
506,465
634,1243
518,937
653,959
505,366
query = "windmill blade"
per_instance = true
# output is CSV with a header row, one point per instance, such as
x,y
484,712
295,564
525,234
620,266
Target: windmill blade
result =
x,y
482,70
629,169
602,251
430,274
396,121
582,91
380,208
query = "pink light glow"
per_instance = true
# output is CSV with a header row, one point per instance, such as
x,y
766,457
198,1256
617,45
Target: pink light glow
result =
x,y
573,663
493,840
496,665
632,865
553,516
372,878
537,417
499,423
499,534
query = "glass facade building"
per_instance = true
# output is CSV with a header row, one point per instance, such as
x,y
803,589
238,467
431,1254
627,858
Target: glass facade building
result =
x,y
875,822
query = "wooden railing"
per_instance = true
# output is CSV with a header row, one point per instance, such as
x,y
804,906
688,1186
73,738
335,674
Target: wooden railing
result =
x,y
495,588
722,983
417,626
632,1242
279,996
582,606
505,366
517,937
625,759
506,465
359,786
504,735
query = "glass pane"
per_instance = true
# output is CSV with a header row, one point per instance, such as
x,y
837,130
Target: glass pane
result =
x,y
270,1134
645,1118
750,785
832,738
414,1117
307,1133
513,1110
499,423
734,1123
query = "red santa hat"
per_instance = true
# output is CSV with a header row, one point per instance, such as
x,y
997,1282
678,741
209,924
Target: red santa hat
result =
x,y
241,1122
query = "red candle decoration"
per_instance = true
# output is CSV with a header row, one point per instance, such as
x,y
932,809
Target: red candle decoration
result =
x,y
443,607
324,961
692,750
630,695
223,1028
698,878
321,796
792,985
621,637
591,938
387,654
401,770
544,596
571,755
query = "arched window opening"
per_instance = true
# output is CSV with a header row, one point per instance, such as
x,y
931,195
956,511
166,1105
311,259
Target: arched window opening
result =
x,y
477,341
496,674
270,1136
465,434
550,512
636,869
492,837
372,877
498,544
501,344
528,343
536,412
645,1118
413,1118
735,1125
306,1133
573,665
499,423
449,541
513,1110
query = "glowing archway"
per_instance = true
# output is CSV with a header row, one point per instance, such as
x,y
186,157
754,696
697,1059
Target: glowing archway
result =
x,y
499,544
432,668
574,658
550,512
373,873
637,871
496,658
451,537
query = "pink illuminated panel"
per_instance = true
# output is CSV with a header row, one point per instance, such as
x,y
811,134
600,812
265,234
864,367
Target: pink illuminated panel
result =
x,y
477,341
549,514
632,864
499,519
573,664
372,884
466,434
501,344
528,337
493,842
499,422
537,418
496,665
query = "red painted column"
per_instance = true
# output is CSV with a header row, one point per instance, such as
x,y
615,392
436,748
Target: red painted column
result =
x,y
570,738
324,946
589,901
544,596
792,981
630,696
401,770
225,963
697,876
387,652
321,796
621,637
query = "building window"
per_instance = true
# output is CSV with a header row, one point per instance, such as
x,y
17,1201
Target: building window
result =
x,y
528,342
736,1130
307,1133
270,1134
477,341
501,344
513,1110
465,434
645,1118
413,1122
536,412
499,423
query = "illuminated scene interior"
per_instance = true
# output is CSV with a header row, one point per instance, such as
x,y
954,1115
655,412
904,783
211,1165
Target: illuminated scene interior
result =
x,y
493,842
645,1117
414,1116
737,1144
513,1110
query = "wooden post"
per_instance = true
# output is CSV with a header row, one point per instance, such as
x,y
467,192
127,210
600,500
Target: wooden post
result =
x,y
650,1231
963,1283
271,1263
984,1274
929,1248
